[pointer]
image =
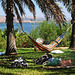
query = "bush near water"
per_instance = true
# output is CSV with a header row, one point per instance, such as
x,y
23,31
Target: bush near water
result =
x,y
45,30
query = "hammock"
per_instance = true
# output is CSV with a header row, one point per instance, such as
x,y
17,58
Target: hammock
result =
x,y
51,46
47,48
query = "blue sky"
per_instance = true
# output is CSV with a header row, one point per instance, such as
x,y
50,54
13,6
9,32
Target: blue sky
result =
x,y
28,13
39,14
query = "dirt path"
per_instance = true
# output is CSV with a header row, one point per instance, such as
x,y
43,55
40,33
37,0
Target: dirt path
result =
x,y
61,47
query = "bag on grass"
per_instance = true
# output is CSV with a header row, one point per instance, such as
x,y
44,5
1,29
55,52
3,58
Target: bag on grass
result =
x,y
19,63
55,62
43,58
66,63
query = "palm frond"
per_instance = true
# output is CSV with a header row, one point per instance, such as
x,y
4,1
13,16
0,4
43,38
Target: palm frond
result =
x,y
19,6
3,3
49,7
67,4
18,15
31,6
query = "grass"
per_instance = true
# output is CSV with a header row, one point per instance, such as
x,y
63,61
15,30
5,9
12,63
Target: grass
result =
x,y
29,55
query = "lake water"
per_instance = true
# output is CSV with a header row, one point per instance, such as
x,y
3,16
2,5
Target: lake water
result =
x,y
27,27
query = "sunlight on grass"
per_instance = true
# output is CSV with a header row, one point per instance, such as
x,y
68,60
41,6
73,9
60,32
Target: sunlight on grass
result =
x,y
29,55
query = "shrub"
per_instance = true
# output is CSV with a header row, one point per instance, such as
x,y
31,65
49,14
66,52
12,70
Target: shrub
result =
x,y
21,39
50,31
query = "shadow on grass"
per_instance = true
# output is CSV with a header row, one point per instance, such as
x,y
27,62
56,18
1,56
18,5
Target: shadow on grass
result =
x,y
32,52
54,71
1,73
32,55
41,69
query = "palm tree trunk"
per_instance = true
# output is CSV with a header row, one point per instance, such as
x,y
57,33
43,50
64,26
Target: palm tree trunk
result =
x,y
11,46
72,45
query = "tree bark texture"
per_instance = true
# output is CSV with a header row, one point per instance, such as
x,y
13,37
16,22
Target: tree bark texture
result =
x,y
11,45
72,45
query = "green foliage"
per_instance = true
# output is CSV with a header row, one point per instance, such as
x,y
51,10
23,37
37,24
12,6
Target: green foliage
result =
x,y
50,31
1,32
16,33
2,44
21,39
44,30
67,37
47,30
2,39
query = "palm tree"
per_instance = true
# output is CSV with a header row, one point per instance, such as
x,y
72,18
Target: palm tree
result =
x,y
48,7
70,5
10,6
72,45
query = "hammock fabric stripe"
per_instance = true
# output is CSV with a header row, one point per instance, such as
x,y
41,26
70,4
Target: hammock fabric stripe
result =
x,y
54,43
51,45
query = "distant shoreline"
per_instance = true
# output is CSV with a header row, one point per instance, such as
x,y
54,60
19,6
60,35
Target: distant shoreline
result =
x,y
27,22
24,20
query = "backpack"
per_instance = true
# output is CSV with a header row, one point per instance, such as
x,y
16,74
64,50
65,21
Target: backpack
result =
x,y
43,58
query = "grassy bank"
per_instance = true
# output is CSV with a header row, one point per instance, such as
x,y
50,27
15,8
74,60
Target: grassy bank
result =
x,y
29,55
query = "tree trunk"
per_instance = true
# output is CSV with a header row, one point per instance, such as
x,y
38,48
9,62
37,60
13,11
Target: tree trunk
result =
x,y
72,45
11,45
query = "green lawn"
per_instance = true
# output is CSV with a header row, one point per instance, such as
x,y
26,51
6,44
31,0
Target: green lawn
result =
x,y
29,55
